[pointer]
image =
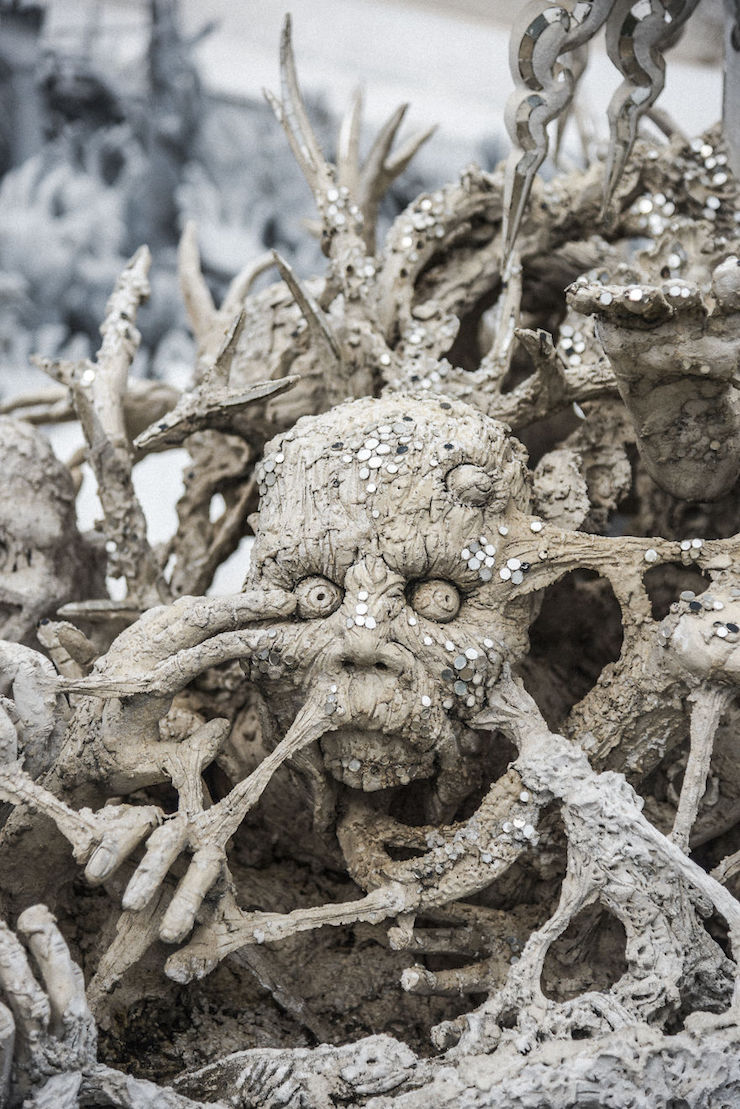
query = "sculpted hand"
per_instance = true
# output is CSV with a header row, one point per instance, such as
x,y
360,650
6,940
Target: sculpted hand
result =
x,y
47,1034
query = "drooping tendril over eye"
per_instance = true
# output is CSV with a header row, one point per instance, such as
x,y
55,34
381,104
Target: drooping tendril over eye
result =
x,y
435,599
317,597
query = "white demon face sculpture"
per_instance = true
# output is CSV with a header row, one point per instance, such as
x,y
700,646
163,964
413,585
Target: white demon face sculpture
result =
x,y
389,520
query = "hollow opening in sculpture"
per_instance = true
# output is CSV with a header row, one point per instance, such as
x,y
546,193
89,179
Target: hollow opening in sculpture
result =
x,y
589,955
577,632
673,579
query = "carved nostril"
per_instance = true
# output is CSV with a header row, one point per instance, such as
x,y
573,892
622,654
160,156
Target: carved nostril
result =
x,y
370,664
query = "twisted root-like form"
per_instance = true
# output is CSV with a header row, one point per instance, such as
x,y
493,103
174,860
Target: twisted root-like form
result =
x,y
614,855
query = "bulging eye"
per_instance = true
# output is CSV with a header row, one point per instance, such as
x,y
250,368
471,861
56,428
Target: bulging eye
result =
x,y
317,597
435,599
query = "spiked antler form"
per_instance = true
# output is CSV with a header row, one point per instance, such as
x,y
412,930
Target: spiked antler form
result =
x,y
369,180
99,389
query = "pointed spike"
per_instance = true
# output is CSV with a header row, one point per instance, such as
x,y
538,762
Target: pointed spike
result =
x,y
212,406
348,146
195,292
379,151
395,166
313,227
576,61
624,117
60,369
225,356
634,43
275,104
315,318
520,175
292,103
140,260
240,285
305,166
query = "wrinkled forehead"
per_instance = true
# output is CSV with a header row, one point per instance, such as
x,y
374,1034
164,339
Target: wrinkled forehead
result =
x,y
377,474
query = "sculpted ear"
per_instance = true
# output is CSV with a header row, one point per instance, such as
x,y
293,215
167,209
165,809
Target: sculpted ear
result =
x,y
560,490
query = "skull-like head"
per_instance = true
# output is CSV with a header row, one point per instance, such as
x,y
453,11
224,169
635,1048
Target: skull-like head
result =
x,y
43,559
388,520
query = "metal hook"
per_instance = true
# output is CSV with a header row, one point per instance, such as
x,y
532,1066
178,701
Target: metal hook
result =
x,y
545,80
636,33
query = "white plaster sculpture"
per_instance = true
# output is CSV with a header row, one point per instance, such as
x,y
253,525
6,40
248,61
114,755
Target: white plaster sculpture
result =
x,y
464,748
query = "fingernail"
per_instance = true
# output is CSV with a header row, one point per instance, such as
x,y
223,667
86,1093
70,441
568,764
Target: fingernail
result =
x,y
177,922
100,864
138,892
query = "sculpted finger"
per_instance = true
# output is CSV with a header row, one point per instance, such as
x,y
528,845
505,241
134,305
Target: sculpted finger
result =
x,y
65,985
26,1000
164,845
203,871
189,621
198,618
165,677
128,827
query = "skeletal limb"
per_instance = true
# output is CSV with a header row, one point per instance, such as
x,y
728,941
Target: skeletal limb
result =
x,y
54,1030
208,832
48,1039
127,743
167,647
124,746
69,649
664,938
487,937
106,838
460,859
708,704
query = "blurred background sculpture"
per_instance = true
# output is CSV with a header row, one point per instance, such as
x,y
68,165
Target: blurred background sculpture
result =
x,y
443,805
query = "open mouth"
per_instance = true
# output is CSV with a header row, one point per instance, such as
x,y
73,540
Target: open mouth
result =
x,y
371,760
